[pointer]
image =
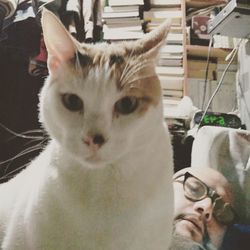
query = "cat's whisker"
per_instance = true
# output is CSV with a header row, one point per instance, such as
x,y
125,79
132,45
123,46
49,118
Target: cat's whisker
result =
x,y
125,70
42,139
33,131
136,69
138,64
21,135
24,152
9,175
77,61
139,78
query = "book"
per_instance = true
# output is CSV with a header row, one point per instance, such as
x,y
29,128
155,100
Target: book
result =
x,y
173,49
169,62
115,28
171,71
153,23
164,3
123,35
163,14
110,9
171,82
123,21
107,15
174,38
125,2
172,93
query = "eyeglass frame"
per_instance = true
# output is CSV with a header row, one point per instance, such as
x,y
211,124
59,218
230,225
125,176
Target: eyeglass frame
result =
x,y
212,194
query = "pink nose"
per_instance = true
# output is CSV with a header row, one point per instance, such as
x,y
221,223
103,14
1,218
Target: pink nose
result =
x,y
95,141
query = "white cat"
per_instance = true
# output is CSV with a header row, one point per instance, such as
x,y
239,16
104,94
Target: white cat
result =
x,y
104,181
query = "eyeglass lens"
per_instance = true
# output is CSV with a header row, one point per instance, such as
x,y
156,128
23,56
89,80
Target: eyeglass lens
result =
x,y
194,189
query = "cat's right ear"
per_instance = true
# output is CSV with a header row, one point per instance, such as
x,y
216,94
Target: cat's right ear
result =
x,y
59,43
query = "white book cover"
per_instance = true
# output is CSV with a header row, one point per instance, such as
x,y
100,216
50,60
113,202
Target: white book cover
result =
x,y
123,35
169,62
124,20
162,14
171,82
171,71
172,93
125,2
177,49
106,15
174,38
175,56
165,2
120,28
111,9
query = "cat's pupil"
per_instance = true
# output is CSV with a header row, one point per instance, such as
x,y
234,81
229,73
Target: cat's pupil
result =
x,y
126,105
72,102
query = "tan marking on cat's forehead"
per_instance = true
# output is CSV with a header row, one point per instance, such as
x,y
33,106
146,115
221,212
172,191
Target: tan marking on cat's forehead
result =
x,y
101,53
147,90
131,69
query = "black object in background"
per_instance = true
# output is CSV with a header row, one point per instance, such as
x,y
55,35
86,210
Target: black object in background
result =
x,y
18,93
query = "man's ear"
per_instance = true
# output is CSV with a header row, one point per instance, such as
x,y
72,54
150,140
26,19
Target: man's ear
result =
x,y
59,43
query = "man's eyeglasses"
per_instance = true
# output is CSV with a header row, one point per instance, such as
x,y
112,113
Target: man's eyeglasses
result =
x,y
196,190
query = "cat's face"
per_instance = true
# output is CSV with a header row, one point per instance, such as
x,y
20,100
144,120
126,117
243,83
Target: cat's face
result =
x,y
100,101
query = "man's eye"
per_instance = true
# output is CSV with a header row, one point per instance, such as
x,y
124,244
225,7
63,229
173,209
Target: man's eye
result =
x,y
194,189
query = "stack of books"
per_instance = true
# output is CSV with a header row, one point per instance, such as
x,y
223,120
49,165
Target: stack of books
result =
x,y
170,65
122,20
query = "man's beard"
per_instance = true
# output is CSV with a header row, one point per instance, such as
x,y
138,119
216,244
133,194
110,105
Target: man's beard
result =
x,y
182,243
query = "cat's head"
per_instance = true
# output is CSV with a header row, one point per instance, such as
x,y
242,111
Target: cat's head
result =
x,y
100,101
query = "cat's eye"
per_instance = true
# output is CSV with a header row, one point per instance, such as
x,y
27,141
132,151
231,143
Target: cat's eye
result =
x,y
72,102
126,105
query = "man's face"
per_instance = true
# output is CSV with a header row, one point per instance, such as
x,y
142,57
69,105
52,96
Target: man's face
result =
x,y
194,219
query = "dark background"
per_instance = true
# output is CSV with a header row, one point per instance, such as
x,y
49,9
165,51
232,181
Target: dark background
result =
x,y
18,93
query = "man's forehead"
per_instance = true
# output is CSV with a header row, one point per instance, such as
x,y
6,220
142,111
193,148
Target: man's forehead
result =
x,y
205,174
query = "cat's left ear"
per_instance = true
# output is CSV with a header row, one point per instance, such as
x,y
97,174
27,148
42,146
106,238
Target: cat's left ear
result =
x,y
59,43
151,43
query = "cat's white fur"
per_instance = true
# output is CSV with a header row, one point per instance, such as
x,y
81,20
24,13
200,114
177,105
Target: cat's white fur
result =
x,y
69,198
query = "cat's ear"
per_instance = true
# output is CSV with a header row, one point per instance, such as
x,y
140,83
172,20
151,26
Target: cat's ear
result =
x,y
59,43
152,42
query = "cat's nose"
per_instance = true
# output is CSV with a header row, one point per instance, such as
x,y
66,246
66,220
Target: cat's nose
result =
x,y
94,141
98,139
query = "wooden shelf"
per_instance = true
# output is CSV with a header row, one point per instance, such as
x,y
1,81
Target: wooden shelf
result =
x,y
202,51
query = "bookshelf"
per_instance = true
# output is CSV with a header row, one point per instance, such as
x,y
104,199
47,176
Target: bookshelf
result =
x,y
172,65
129,19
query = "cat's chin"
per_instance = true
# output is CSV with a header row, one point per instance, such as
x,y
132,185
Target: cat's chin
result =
x,y
95,162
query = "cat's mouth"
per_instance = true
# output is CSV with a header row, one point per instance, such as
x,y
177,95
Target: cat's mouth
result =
x,y
93,158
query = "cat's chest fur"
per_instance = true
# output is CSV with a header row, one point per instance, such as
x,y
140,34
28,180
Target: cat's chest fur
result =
x,y
118,207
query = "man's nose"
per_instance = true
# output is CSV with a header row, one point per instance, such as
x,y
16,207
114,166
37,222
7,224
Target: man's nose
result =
x,y
204,208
